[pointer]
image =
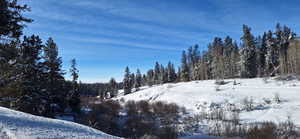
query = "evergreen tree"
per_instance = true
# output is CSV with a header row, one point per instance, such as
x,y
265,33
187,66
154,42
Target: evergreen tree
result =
x,y
32,96
138,80
54,75
127,85
11,19
157,73
171,74
74,100
248,54
185,72
217,59
272,55
163,75
113,87
261,55
150,77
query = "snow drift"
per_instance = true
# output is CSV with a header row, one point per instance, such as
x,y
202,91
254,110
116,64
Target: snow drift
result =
x,y
272,100
19,125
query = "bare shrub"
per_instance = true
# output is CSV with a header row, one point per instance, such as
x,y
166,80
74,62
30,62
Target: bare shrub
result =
x,y
103,116
137,126
277,98
192,124
217,114
248,103
168,133
132,108
266,130
144,107
134,119
235,118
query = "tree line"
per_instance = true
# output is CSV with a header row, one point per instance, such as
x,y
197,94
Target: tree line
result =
x,y
269,54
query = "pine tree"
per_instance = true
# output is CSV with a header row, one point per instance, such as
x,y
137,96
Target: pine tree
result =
x,y
32,96
217,59
138,80
248,54
272,55
261,55
54,75
171,74
74,100
11,19
150,77
157,73
185,73
127,84
163,75
113,88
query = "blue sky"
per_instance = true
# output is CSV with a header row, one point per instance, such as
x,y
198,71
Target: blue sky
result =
x,y
105,36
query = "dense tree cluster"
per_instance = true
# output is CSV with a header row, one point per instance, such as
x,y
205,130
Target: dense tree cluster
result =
x,y
31,78
159,75
273,53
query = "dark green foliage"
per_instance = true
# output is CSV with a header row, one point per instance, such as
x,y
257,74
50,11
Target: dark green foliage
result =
x,y
248,54
11,19
127,82
73,96
138,80
113,87
185,72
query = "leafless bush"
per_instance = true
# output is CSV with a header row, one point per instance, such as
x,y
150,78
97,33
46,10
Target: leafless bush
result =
x,y
168,133
235,118
264,130
103,116
192,124
277,98
134,119
248,103
132,108
145,108
217,114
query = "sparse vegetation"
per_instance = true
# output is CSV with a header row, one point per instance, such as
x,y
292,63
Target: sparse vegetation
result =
x,y
134,119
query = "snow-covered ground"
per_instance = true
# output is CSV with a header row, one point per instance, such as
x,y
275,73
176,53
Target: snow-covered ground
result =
x,y
19,125
200,96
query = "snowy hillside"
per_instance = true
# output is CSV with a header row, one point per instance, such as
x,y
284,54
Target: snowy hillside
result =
x,y
272,100
19,125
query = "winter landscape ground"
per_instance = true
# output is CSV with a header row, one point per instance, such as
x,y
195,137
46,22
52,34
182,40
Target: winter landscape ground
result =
x,y
271,99
19,125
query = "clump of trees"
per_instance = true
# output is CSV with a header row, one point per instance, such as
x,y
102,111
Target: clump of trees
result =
x,y
31,78
269,54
